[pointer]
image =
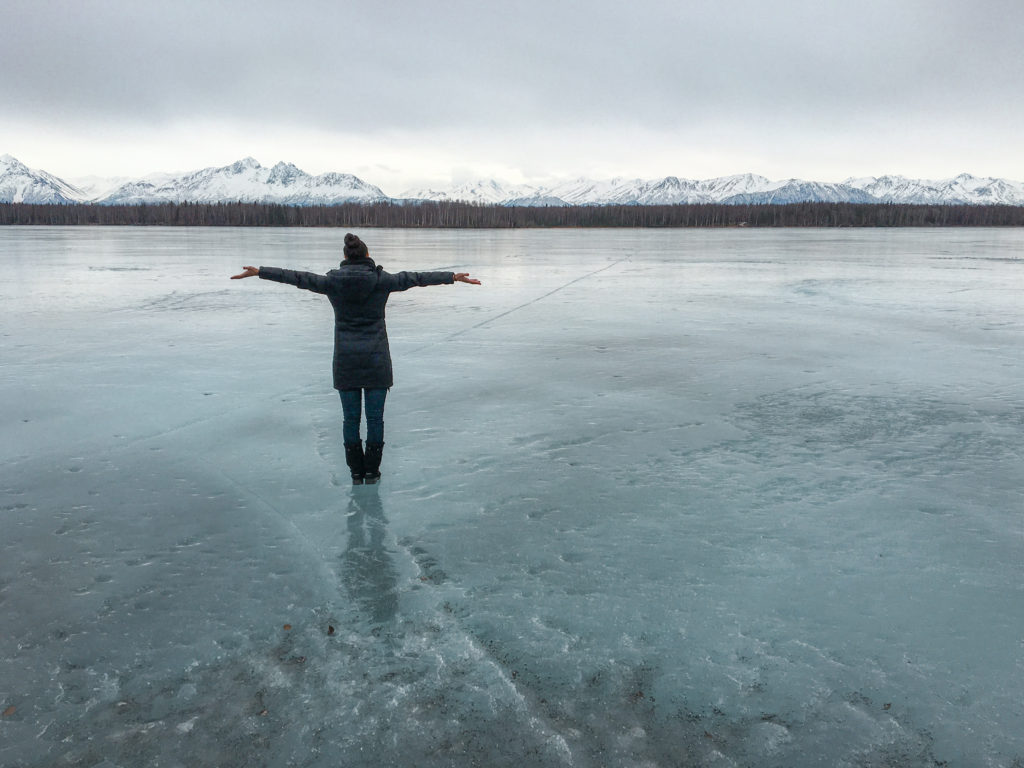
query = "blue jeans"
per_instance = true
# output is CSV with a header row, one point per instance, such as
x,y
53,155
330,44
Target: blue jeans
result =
x,y
352,404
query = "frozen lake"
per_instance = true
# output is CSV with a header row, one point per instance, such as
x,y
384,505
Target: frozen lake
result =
x,y
650,498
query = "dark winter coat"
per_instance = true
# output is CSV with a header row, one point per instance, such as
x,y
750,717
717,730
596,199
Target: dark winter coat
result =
x,y
358,291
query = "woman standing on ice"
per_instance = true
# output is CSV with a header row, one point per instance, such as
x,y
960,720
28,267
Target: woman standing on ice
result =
x,y
358,291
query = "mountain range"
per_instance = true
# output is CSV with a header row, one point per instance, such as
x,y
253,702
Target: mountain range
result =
x,y
284,183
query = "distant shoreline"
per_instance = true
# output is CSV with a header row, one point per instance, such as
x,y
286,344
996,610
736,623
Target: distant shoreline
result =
x,y
451,215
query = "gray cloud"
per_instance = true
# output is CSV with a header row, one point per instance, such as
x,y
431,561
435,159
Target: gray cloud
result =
x,y
805,66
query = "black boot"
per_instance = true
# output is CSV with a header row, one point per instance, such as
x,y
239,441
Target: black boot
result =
x,y
356,463
374,452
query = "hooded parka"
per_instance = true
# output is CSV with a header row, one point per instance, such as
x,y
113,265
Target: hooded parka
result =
x,y
358,291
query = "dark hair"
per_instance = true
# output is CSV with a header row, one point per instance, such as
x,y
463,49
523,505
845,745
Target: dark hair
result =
x,y
355,248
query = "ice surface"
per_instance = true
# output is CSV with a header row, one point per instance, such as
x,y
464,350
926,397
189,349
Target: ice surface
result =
x,y
719,498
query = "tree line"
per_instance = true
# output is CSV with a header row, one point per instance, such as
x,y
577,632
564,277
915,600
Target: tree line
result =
x,y
477,216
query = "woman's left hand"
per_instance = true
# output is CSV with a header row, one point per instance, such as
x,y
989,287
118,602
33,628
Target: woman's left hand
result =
x,y
463,277
249,272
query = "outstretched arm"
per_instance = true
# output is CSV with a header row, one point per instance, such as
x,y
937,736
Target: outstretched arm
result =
x,y
403,281
308,281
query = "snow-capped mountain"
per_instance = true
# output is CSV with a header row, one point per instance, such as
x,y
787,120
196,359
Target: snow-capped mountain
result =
x,y
960,190
797,191
248,181
21,184
96,187
284,183
245,181
749,189
671,190
584,191
486,192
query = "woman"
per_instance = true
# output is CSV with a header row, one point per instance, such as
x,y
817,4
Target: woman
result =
x,y
358,291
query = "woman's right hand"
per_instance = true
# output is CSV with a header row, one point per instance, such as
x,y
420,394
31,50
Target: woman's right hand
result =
x,y
249,272
463,277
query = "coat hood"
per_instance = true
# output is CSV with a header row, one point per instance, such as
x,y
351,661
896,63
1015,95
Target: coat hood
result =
x,y
356,278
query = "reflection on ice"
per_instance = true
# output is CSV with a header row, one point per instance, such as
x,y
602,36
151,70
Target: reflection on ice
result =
x,y
742,498
367,568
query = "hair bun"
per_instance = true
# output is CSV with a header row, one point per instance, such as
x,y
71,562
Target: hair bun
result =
x,y
354,247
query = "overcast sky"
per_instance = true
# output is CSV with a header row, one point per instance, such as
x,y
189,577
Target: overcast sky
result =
x,y
410,93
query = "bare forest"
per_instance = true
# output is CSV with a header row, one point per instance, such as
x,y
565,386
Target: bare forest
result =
x,y
475,216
